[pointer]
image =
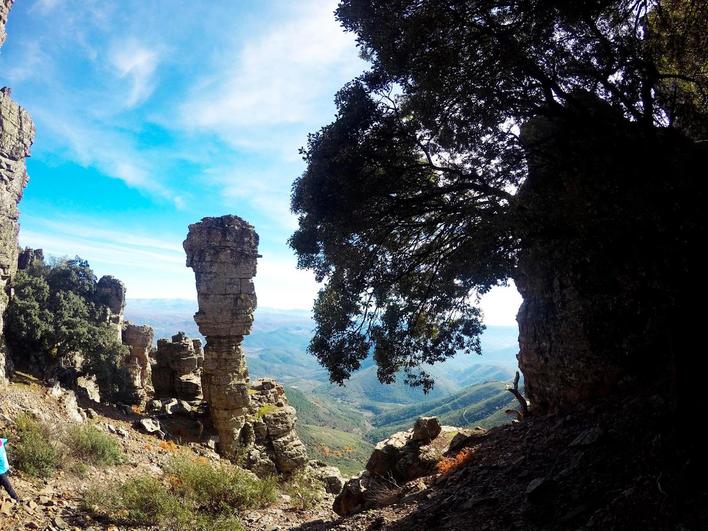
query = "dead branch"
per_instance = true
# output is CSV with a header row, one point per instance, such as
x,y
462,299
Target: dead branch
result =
x,y
514,390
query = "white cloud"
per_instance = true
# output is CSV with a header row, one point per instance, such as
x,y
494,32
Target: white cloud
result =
x,y
109,150
280,285
282,77
136,63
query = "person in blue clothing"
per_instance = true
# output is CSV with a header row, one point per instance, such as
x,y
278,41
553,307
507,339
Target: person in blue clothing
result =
x,y
4,467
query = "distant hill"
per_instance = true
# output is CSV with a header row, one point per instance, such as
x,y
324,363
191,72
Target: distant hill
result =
x,y
481,404
332,431
338,423
277,347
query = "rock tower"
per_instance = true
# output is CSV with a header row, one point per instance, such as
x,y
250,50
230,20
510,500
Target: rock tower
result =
x,y
223,253
16,136
253,419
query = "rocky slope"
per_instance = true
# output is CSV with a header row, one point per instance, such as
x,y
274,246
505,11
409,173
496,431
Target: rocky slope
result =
x,y
56,503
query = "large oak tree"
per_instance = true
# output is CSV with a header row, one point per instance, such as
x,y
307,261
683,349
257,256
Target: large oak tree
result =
x,y
408,208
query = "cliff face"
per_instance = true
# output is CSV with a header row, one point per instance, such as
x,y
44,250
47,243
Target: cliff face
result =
x,y
612,217
16,136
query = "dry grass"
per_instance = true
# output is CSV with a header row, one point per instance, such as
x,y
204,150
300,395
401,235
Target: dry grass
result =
x,y
450,464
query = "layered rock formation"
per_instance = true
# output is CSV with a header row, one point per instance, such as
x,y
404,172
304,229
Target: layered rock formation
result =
x,y
612,219
111,292
16,136
178,368
138,339
223,253
251,418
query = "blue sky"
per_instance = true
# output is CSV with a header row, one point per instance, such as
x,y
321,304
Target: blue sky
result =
x,y
152,115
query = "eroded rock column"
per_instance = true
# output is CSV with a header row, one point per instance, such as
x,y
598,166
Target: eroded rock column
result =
x,y
223,253
139,340
16,136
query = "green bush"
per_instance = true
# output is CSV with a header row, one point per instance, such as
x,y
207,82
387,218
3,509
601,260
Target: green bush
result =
x,y
304,491
90,445
139,501
35,452
221,488
58,311
194,495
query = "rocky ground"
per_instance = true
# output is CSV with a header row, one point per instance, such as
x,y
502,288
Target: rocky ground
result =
x,y
610,465
55,504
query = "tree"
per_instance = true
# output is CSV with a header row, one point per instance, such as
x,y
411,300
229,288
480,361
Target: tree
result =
x,y
408,207
56,314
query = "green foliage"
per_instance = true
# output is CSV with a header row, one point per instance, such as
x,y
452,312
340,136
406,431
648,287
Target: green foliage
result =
x,y
193,496
41,449
304,490
90,445
348,451
266,409
139,501
216,489
35,452
56,313
408,206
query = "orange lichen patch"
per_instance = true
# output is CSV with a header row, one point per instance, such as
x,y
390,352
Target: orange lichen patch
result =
x,y
169,446
136,409
450,464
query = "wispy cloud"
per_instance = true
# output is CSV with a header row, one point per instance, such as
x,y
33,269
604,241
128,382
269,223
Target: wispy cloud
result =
x,y
136,63
283,77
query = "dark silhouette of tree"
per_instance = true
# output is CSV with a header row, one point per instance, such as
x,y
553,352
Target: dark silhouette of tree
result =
x,y
408,207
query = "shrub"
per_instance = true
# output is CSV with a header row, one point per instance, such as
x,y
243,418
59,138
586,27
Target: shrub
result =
x,y
194,496
219,489
90,445
138,501
265,409
35,453
450,464
304,490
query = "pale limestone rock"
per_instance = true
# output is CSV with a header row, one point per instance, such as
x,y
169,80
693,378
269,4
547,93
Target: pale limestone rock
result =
x,y
16,136
138,339
177,371
111,292
252,419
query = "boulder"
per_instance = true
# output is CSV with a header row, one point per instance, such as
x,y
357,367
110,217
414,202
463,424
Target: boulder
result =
x,y
289,452
329,476
426,429
86,387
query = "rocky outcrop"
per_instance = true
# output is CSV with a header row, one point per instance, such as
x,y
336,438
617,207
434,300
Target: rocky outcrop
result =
x,y
268,435
611,219
223,253
403,457
139,340
111,292
28,257
16,136
252,419
5,6
177,371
